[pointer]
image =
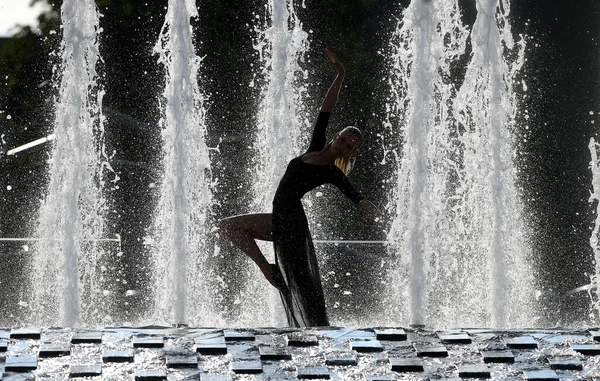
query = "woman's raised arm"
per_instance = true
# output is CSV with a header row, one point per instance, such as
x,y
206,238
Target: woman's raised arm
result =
x,y
334,91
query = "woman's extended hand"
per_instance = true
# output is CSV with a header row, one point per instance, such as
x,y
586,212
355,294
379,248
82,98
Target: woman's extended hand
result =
x,y
333,61
370,209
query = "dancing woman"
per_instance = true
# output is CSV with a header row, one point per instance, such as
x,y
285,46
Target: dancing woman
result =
x,y
295,272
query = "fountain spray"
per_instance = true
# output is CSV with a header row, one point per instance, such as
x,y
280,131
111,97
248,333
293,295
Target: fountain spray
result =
x,y
282,123
458,231
65,289
426,42
183,212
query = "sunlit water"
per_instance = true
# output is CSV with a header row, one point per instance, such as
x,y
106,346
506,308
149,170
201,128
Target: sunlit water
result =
x,y
280,134
65,279
593,289
458,231
181,273
459,253
333,345
491,206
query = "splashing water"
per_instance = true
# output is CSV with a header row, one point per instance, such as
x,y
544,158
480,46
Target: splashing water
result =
x,y
420,92
594,291
71,216
457,208
489,199
281,44
183,211
281,47
458,232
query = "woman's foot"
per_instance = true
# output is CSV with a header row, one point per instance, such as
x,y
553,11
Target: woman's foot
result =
x,y
274,276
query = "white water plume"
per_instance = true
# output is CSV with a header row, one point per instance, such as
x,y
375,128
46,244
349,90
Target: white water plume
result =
x,y
64,281
489,203
594,290
181,270
458,230
282,121
282,124
426,42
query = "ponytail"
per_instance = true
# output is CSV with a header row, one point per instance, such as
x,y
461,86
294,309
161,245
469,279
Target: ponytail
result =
x,y
344,164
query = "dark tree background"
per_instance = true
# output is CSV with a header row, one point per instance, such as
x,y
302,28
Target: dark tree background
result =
x,y
562,73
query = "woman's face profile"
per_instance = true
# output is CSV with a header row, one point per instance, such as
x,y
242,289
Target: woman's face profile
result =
x,y
344,144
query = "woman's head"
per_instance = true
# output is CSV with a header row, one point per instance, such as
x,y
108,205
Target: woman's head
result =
x,y
344,145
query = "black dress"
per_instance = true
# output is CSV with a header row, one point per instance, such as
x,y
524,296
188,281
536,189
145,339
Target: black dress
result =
x,y
294,251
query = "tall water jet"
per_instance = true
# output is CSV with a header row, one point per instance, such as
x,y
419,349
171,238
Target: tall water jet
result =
x,y
182,215
428,39
594,290
65,290
457,209
488,198
282,124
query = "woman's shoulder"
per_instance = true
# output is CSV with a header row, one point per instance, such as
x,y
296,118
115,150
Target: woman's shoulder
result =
x,y
323,117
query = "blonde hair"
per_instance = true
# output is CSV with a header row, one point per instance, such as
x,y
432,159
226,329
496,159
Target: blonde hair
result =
x,y
345,163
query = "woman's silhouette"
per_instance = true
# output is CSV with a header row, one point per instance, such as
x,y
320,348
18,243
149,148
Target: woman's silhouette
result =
x,y
295,272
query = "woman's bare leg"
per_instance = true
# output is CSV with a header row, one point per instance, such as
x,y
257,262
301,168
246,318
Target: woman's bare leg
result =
x,y
243,231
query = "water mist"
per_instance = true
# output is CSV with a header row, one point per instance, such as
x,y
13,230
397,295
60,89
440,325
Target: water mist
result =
x,y
594,290
458,232
65,265
181,219
281,45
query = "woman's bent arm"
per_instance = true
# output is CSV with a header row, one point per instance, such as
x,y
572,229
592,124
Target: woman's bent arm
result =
x,y
369,208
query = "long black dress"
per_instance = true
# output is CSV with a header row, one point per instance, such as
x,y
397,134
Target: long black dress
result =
x,y
294,251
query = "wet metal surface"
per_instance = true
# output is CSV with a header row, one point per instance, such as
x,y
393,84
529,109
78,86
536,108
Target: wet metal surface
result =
x,y
156,353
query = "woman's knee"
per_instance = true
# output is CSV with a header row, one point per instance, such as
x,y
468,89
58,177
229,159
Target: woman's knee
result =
x,y
223,224
257,226
227,226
